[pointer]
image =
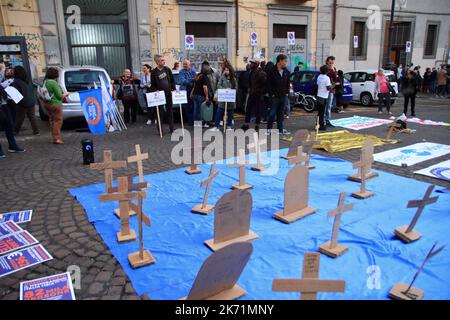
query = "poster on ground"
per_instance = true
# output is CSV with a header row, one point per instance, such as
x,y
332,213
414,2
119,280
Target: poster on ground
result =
x,y
22,259
413,154
16,241
9,227
57,287
18,217
359,123
438,171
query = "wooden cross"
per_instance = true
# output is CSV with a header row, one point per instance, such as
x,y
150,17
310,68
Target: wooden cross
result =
x,y
197,146
308,147
108,165
408,234
138,158
332,248
408,292
241,164
204,208
364,166
131,187
142,257
257,146
124,197
367,148
299,158
310,284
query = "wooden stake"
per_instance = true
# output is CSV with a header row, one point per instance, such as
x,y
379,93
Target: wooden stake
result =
x,y
257,146
317,126
195,147
182,121
332,248
308,287
407,233
364,165
159,122
204,208
225,117
242,185
108,165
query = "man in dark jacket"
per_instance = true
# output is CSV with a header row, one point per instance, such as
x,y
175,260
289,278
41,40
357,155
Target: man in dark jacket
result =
x,y
278,87
7,123
243,84
163,80
257,90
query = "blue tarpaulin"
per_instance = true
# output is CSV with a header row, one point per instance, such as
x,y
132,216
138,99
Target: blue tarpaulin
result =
x,y
176,238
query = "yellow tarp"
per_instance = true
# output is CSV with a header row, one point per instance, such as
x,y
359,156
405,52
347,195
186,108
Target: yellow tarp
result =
x,y
344,140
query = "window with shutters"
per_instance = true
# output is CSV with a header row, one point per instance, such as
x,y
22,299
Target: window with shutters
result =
x,y
431,37
359,29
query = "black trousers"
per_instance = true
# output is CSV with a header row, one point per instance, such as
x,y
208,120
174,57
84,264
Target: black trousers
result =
x,y
255,107
277,110
321,106
8,124
168,114
130,105
411,98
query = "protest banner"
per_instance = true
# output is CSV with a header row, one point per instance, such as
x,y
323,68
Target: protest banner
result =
x,y
23,259
9,227
57,287
92,105
16,241
18,217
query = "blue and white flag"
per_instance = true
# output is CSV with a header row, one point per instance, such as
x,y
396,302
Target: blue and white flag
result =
x,y
92,105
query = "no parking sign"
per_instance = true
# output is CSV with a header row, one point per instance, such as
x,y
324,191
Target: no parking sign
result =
x,y
254,39
291,38
189,42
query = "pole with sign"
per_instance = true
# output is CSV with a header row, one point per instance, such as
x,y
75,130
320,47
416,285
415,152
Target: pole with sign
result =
x,y
408,50
180,97
226,96
355,46
157,99
189,43
253,42
291,44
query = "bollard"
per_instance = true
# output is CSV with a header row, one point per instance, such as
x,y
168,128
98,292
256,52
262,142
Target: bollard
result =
x,y
88,151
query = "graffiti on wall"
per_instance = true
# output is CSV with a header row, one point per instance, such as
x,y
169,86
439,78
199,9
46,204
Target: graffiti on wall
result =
x,y
295,54
247,25
34,43
212,50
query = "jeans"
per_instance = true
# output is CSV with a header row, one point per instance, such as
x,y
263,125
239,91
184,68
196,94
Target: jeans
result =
x,y
9,128
220,114
331,101
413,104
384,99
198,101
278,105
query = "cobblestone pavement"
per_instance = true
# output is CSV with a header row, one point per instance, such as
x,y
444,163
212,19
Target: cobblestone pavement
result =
x,y
40,178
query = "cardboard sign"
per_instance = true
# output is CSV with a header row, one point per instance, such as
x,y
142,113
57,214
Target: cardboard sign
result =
x,y
227,95
438,171
16,241
9,227
291,38
359,123
411,155
57,287
155,99
18,217
254,39
218,275
232,220
14,94
189,42
23,259
179,97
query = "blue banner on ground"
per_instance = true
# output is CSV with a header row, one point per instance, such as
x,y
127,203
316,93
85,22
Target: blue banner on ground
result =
x,y
57,287
18,217
375,261
22,259
92,104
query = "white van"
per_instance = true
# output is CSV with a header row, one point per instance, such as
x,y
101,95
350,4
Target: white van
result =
x,y
72,80
363,84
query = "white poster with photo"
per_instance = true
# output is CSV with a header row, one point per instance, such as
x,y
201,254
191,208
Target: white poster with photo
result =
x,y
438,171
179,97
413,154
155,99
226,95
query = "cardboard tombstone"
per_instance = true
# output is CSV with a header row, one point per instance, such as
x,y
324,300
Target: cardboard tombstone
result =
x,y
138,158
299,138
131,187
309,285
308,147
232,216
142,257
195,159
364,166
332,248
402,291
204,208
124,197
242,185
108,165
296,192
219,274
407,233
367,149
257,146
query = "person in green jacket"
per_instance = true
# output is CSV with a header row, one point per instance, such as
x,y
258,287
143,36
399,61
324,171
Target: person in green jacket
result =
x,y
227,81
54,106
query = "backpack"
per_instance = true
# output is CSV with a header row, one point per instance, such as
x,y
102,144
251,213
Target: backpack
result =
x,y
43,92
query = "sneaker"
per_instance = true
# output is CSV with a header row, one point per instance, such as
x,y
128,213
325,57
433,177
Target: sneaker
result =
x,y
2,156
285,132
380,112
221,123
17,150
390,113
215,129
230,129
149,122
37,134
206,125
329,124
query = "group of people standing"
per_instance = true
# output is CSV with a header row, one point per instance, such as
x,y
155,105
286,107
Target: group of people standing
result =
x,y
434,80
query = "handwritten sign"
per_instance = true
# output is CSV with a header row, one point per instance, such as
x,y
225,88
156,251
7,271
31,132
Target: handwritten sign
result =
x,y
9,227
179,97
155,99
57,287
16,241
227,95
23,259
18,217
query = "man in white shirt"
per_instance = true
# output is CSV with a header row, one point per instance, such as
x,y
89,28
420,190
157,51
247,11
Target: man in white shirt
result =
x,y
323,94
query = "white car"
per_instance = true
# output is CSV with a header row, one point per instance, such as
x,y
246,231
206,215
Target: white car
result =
x,y
73,80
363,84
